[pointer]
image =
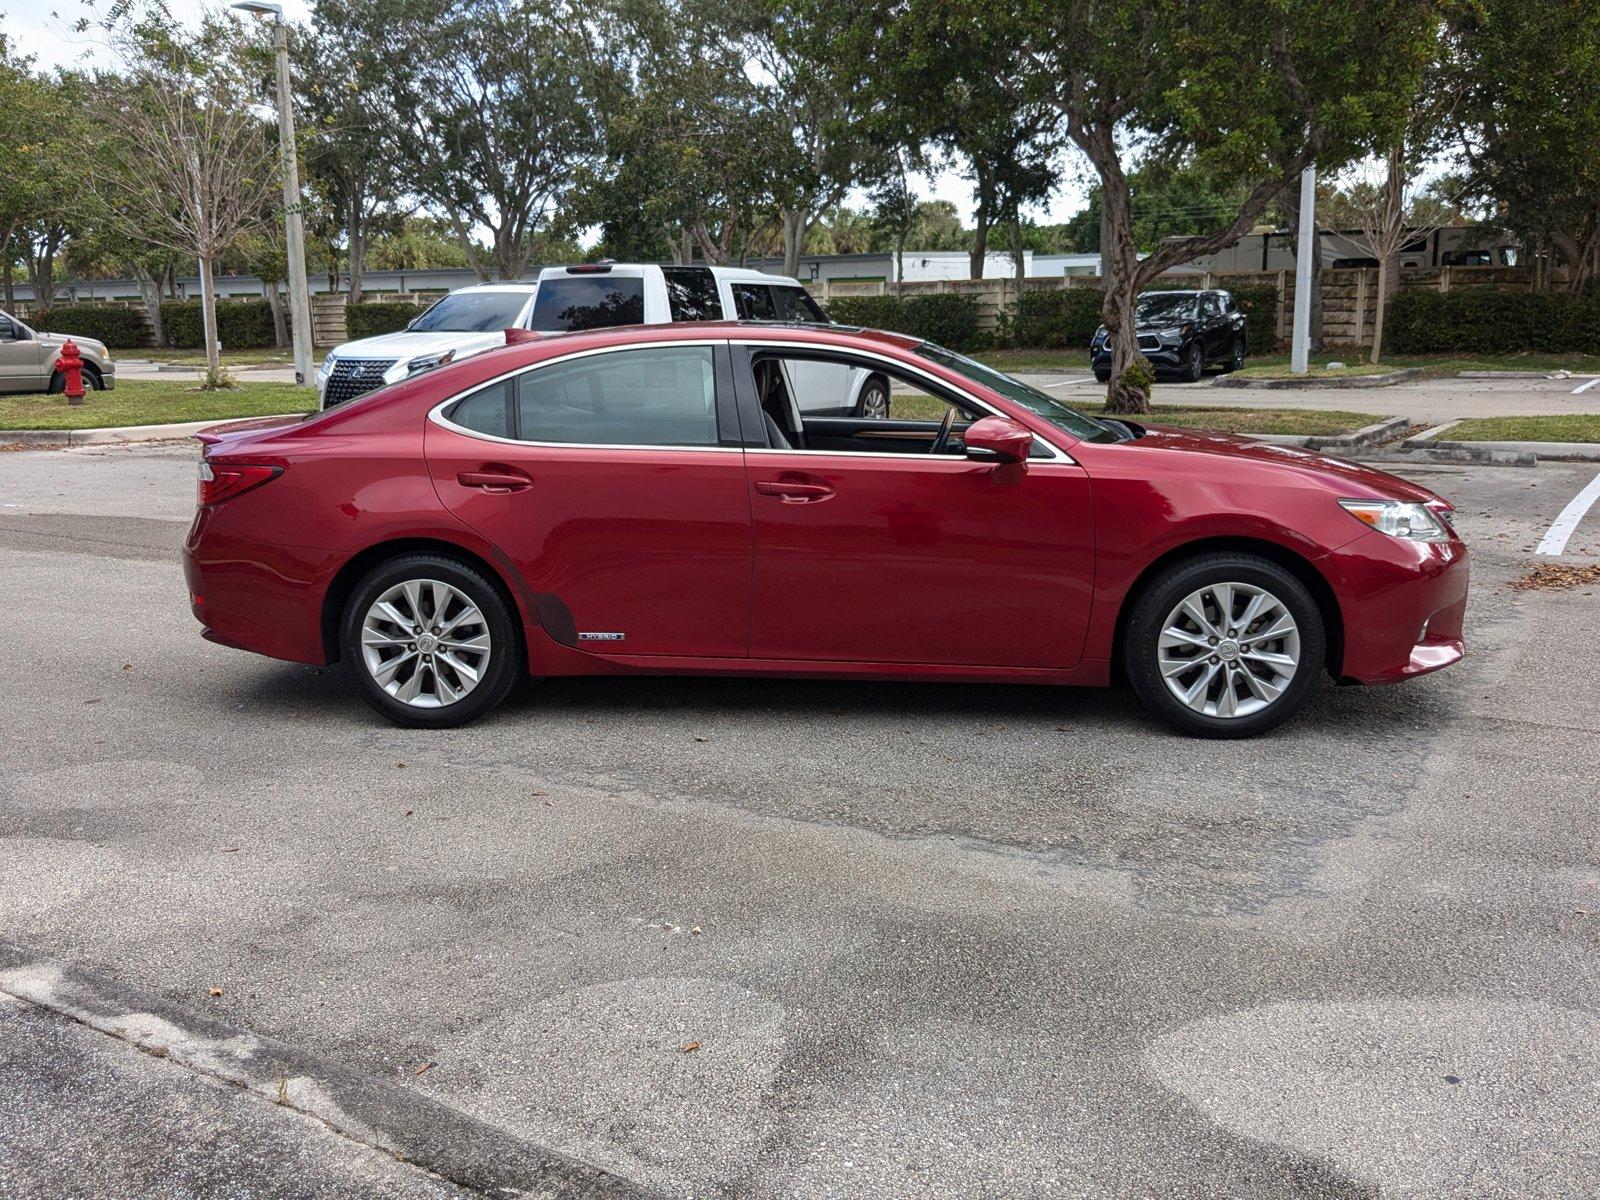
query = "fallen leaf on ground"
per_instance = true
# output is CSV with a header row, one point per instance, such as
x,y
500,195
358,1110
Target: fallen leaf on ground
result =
x,y
399,764
427,1066
695,931
158,1050
698,738
228,849
216,991
691,1047
1553,576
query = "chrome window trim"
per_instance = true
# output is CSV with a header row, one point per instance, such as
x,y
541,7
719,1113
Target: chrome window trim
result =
x,y
436,413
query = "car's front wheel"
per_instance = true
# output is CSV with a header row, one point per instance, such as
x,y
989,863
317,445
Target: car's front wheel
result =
x,y
429,641
1225,645
1194,363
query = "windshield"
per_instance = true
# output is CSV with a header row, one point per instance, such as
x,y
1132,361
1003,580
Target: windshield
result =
x,y
1164,306
1084,428
472,312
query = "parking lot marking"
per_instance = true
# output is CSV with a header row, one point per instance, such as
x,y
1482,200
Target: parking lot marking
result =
x,y
1584,387
1555,538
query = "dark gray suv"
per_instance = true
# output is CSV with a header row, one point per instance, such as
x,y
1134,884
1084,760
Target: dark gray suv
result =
x,y
1181,333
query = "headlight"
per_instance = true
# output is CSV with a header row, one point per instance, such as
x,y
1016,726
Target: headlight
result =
x,y
1399,518
325,369
427,362
1169,335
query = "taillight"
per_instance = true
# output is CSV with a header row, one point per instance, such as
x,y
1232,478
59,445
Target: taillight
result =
x,y
224,481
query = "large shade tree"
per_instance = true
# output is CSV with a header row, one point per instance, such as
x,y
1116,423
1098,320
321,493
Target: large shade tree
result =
x,y
1254,90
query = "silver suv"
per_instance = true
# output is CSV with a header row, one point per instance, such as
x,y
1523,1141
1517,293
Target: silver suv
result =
x,y
28,360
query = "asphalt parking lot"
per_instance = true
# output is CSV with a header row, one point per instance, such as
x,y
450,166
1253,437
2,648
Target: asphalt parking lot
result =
x,y
768,938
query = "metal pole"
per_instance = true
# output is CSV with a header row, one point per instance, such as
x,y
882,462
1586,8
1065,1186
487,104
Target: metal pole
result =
x,y
1300,347
294,226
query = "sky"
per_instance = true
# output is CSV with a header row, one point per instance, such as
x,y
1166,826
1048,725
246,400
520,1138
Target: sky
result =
x,y
45,30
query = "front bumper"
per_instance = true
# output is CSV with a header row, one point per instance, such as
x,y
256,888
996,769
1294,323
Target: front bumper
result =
x,y
1166,358
1403,605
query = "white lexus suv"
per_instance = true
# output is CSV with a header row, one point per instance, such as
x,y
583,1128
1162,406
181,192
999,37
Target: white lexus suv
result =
x,y
592,296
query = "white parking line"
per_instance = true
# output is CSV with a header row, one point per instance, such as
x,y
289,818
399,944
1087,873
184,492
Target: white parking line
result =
x,y
1584,387
1555,539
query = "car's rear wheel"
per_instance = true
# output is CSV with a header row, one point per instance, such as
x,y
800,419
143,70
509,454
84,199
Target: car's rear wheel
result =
x,y
873,402
430,641
1225,645
1194,363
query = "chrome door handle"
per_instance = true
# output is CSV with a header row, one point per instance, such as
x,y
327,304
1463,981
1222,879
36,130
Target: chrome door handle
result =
x,y
493,481
793,493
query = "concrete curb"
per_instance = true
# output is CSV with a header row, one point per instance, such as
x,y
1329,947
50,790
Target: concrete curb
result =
x,y
1515,375
376,1112
122,433
1322,381
1434,439
1360,439
1450,454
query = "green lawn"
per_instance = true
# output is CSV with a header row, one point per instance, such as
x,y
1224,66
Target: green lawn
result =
x,y
1569,427
1034,360
153,402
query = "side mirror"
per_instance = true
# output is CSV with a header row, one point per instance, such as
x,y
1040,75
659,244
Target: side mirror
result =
x,y
997,439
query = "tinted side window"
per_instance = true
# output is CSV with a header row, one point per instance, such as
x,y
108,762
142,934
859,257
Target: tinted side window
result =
x,y
796,304
487,410
753,302
656,396
692,294
588,302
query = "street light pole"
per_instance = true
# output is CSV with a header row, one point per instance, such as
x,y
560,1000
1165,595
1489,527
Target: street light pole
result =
x,y
1309,244
294,224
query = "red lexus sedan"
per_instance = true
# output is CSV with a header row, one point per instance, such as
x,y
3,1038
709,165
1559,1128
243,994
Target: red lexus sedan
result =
x,y
652,500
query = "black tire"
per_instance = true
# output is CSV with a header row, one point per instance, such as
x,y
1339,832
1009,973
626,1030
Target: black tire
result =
x,y
1236,355
1102,376
1141,646
92,382
1194,363
506,656
874,399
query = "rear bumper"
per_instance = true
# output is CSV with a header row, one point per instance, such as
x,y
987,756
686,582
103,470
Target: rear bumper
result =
x,y
1403,606
262,598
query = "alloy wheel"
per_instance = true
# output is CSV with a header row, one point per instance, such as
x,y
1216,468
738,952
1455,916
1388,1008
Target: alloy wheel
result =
x,y
425,643
875,401
1229,649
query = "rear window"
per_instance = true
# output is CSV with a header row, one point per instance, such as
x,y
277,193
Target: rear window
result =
x,y
692,294
753,302
796,304
588,302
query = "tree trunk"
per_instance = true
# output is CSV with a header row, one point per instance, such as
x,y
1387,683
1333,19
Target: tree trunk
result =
x,y
356,237
8,289
1018,261
208,317
1377,317
1122,284
980,234
280,332
900,260
794,238
150,292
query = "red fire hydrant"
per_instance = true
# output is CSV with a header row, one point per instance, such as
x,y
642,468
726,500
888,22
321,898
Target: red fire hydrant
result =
x,y
71,366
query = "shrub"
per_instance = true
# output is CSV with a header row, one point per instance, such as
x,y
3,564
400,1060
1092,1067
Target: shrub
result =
x,y
379,316
119,328
1056,319
948,318
241,324
870,312
1490,322
1260,304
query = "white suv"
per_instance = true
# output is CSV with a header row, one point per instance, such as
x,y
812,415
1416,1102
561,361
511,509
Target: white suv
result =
x,y
598,295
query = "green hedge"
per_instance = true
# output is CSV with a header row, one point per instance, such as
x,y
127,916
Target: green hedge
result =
x,y
119,328
379,316
1260,304
241,324
1490,322
1055,319
949,319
